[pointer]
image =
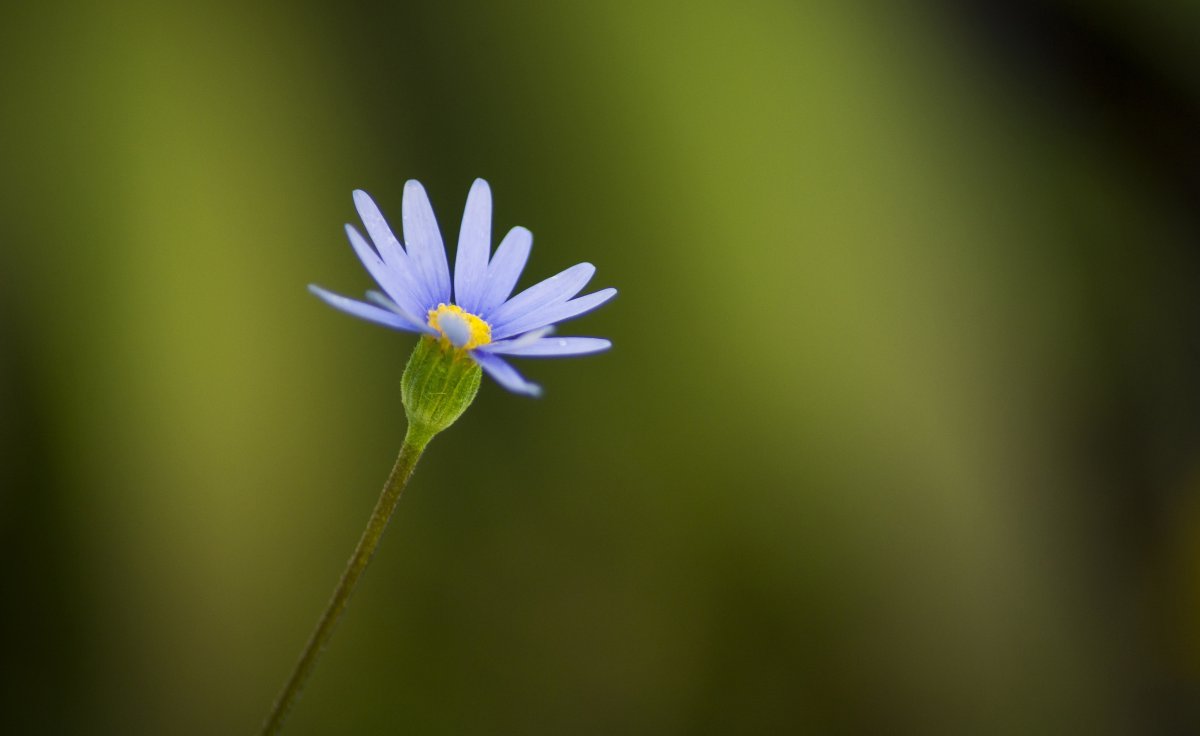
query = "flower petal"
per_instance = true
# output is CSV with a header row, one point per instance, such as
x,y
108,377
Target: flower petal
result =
x,y
396,282
505,346
505,269
424,241
390,248
553,313
474,247
556,289
381,233
550,347
505,374
363,311
383,301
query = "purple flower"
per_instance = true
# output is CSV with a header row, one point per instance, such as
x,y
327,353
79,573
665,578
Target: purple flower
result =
x,y
481,319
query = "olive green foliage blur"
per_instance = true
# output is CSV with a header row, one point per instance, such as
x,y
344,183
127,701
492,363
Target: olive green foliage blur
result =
x,y
900,431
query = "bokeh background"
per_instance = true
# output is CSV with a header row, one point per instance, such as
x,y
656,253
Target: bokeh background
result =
x,y
900,433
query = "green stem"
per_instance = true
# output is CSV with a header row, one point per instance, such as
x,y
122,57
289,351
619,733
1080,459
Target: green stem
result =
x,y
410,452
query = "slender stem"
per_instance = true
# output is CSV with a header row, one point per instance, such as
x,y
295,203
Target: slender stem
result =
x,y
410,452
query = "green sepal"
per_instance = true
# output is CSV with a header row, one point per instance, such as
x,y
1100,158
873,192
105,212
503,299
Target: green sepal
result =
x,y
439,383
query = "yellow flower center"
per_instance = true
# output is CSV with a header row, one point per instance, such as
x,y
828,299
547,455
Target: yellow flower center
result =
x,y
461,329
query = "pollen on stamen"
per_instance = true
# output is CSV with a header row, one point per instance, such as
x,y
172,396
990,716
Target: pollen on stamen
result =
x,y
459,328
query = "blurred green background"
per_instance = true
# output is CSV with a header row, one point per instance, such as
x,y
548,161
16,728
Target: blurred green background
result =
x,y
900,433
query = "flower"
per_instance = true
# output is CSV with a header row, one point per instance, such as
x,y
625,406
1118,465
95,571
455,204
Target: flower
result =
x,y
481,320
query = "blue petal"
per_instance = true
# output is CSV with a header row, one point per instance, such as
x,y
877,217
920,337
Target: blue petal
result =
x,y
549,347
381,234
505,269
474,247
553,313
396,282
389,247
517,342
363,311
505,375
383,301
424,241
554,290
